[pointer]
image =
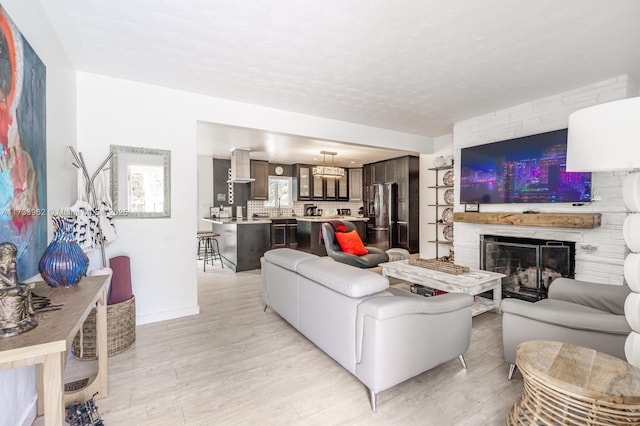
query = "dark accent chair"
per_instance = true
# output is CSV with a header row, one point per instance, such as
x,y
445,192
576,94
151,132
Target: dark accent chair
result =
x,y
370,260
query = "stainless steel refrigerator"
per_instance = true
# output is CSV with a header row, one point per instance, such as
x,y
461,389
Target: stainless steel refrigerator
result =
x,y
382,205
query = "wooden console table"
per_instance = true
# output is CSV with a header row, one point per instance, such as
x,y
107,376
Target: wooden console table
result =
x,y
572,385
46,346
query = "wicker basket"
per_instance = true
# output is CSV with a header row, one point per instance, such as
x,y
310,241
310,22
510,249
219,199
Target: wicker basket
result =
x,y
121,331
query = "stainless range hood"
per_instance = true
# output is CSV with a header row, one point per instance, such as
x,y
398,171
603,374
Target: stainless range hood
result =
x,y
240,166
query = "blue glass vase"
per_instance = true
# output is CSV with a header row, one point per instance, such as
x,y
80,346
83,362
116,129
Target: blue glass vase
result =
x,y
63,262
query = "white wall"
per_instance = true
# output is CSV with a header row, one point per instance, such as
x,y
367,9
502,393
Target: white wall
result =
x,y
161,250
18,387
114,111
599,252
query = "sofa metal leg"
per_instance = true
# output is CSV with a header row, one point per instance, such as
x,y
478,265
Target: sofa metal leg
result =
x,y
373,400
265,308
462,361
512,369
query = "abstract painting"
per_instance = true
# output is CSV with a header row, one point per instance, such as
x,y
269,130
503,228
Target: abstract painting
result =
x,y
23,166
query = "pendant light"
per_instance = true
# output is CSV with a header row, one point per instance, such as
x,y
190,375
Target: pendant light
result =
x,y
328,171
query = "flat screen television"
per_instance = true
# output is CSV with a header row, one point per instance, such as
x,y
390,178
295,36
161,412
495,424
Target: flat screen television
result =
x,y
530,169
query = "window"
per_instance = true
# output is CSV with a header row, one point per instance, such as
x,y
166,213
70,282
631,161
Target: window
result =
x,y
146,188
280,192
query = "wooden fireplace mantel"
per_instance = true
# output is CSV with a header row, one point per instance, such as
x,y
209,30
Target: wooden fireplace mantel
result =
x,y
552,220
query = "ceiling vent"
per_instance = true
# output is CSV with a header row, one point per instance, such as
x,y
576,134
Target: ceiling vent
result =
x,y
240,166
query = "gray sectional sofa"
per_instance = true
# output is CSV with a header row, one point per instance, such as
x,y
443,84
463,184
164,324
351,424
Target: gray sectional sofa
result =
x,y
382,335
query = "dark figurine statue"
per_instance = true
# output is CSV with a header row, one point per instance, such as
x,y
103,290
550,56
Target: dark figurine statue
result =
x,y
16,308
8,268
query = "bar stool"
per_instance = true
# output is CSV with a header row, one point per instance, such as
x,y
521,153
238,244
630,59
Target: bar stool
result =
x,y
206,250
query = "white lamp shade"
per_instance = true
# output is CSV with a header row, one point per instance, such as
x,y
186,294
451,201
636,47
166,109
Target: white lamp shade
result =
x,y
605,137
632,271
631,232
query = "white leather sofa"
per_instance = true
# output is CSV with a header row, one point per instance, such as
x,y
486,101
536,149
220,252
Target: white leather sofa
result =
x,y
381,335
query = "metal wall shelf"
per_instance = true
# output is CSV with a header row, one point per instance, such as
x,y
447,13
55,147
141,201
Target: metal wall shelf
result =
x,y
439,188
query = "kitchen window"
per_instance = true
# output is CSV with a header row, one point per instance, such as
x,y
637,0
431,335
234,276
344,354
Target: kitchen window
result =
x,y
280,192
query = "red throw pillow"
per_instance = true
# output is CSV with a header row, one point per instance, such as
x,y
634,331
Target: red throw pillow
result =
x,y
350,242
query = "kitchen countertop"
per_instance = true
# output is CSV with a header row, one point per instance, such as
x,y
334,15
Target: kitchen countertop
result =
x,y
256,220
333,217
232,221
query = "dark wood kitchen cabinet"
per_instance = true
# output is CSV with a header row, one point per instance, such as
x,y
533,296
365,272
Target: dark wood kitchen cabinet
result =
x,y
405,172
284,233
403,235
302,173
260,186
378,173
342,187
391,170
242,244
367,175
408,178
381,172
355,184
403,188
317,188
325,189
330,189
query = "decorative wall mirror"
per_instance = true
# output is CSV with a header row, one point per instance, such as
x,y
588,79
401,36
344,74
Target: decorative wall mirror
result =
x,y
141,182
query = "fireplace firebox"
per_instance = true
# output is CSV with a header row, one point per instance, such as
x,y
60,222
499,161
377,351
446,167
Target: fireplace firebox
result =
x,y
529,264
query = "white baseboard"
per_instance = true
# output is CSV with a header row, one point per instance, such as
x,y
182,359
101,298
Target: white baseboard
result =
x,y
167,315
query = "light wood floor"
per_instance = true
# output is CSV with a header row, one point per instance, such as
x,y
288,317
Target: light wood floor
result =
x,y
234,364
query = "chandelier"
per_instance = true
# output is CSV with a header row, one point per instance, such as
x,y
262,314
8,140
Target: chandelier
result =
x,y
328,171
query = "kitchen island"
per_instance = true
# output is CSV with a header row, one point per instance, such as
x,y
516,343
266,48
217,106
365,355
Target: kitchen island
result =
x,y
242,242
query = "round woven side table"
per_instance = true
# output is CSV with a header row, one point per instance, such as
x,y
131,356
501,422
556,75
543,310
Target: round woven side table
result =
x,y
566,384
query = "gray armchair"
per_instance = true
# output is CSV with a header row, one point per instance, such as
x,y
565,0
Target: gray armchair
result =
x,y
370,260
577,312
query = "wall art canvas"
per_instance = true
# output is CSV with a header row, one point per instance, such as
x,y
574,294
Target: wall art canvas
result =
x,y
23,187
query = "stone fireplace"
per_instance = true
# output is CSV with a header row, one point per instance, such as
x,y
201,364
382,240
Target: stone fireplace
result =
x,y
529,264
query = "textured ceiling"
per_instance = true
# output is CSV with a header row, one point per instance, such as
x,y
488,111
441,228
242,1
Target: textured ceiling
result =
x,y
414,66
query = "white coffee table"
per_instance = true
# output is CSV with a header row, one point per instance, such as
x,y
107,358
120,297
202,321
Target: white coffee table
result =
x,y
473,282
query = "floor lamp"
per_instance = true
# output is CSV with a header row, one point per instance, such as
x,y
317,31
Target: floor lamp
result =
x,y
606,138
